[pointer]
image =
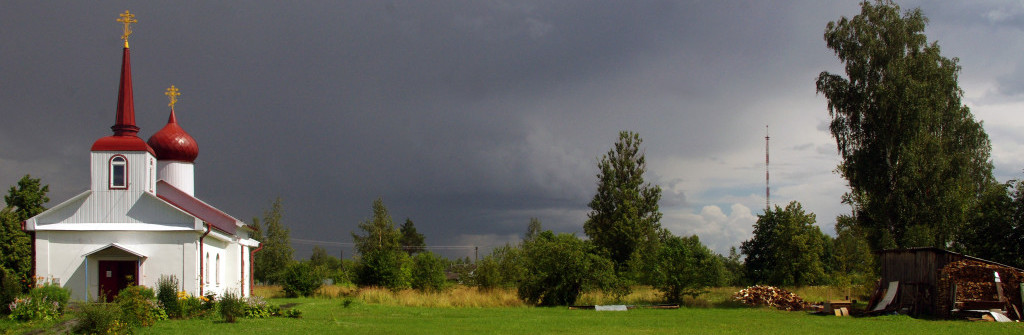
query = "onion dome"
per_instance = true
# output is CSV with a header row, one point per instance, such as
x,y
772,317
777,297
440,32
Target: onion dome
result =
x,y
173,143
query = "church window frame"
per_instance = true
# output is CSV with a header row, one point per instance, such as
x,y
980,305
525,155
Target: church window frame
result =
x,y
207,270
218,269
118,168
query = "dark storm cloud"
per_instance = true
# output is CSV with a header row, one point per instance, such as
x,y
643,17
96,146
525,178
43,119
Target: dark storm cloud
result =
x,y
467,117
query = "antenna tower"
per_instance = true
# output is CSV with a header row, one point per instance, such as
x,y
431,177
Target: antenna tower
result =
x,y
767,188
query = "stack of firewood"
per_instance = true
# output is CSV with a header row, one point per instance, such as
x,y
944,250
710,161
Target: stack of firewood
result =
x,y
762,295
975,281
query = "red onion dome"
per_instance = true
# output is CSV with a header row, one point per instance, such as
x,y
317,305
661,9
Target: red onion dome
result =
x,y
173,143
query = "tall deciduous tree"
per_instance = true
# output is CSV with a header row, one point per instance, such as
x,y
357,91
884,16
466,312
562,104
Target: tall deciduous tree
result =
x,y
412,241
913,155
687,268
24,201
786,249
624,213
276,255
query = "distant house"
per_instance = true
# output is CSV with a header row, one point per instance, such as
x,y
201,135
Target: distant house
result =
x,y
140,220
925,290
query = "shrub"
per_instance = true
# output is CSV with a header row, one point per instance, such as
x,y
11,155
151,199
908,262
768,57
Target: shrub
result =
x,y
293,313
10,289
503,268
29,308
301,279
190,306
167,295
560,268
428,272
256,307
44,302
231,307
138,306
387,268
100,318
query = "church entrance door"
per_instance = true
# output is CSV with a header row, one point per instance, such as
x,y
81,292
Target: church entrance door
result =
x,y
115,276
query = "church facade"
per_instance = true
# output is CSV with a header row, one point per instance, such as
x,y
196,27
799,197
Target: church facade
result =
x,y
140,219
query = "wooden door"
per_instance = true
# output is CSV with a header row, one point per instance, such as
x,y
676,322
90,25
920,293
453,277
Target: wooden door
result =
x,y
115,276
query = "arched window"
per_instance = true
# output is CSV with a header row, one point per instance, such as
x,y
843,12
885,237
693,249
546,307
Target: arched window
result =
x,y
218,269
118,172
207,274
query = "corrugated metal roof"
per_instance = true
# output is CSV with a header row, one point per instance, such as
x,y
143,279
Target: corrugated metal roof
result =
x,y
197,208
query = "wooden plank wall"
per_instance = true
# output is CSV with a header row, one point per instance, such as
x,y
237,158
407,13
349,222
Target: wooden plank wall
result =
x,y
917,270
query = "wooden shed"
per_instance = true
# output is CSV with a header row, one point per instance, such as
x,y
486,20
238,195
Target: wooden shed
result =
x,y
918,271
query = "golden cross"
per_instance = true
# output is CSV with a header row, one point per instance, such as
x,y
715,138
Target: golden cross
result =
x,y
127,18
173,94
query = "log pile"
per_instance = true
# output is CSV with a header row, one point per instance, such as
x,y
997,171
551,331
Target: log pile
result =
x,y
975,281
763,295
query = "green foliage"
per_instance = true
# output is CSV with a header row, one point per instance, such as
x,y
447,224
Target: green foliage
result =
x,y
387,268
411,241
276,254
138,306
912,153
503,268
192,306
428,272
33,308
687,268
380,232
167,295
733,266
301,279
101,318
998,214
10,288
293,313
560,268
23,202
256,307
624,213
231,307
382,261
855,264
786,249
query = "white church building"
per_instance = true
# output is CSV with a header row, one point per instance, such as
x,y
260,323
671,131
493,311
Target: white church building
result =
x,y
140,219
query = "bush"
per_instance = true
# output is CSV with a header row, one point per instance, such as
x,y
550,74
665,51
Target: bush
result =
x,y
387,268
10,289
293,313
45,302
138,306
503,268
560,268
190,306
301,279
100,318
428,272
167,295
256,307
231,307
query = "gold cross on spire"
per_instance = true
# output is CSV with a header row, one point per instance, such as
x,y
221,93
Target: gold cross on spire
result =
x,y
173,94
127,18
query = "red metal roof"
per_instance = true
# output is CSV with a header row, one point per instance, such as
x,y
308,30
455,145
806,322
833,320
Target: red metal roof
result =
x,y
196,207
173,143
125,130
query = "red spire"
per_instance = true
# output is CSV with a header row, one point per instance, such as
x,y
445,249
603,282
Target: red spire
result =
x,y
173,143
125,130
124,123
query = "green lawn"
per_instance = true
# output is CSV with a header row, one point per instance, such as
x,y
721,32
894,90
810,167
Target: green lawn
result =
x,y
330,316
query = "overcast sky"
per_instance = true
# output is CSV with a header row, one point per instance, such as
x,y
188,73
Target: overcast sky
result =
x,y
470,117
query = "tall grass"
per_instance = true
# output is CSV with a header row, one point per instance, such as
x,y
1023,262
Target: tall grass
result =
x,y
463,296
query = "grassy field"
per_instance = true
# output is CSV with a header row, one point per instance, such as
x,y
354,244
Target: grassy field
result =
x,y
330,316
463,310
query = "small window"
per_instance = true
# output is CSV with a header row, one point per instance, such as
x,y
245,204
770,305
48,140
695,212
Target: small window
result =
x,y
218,269
207,274
118,172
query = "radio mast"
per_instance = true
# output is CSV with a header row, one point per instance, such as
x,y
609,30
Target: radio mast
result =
x,y
767,188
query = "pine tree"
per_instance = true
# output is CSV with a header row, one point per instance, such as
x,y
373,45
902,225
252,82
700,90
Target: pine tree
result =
x,y
23,202
412,241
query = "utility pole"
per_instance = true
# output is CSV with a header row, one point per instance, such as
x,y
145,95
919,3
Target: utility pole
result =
x,y
767,187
